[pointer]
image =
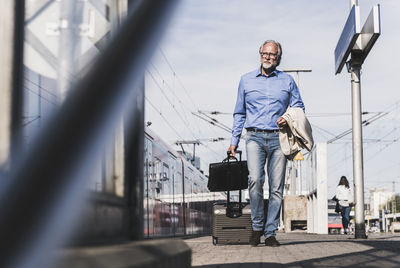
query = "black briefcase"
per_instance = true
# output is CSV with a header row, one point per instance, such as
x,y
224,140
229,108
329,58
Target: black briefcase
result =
x,y
229,175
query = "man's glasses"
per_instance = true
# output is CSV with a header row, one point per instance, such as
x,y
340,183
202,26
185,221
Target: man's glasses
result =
x,y
270,55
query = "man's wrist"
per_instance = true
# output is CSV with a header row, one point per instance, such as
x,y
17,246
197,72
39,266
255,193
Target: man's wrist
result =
x,y
234,141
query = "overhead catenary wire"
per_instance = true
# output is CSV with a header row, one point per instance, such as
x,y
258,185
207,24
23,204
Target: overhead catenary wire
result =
x,y
307,114
41,96
185,109
31,121
392,131
173,129
165,119
178,79
187,106
364,123
181,84
389,126
322,130
212,122
170,102
173,106
216,121
214,112
389,142
334,114
41,87
368,141
212,150
183,105
386,146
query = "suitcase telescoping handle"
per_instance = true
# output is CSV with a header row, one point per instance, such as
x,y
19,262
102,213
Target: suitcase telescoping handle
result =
x,y
233,210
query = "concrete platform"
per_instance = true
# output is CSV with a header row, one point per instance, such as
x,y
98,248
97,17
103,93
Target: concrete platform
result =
x,y
300,250
158,253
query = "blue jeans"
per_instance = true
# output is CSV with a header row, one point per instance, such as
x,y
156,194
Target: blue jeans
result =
x,y
345,212
265,148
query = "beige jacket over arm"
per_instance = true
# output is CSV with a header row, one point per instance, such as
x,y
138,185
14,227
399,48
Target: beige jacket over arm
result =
x,y
298,134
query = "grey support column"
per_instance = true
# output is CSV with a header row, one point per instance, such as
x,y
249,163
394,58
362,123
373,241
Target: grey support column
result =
x,y
358,170
11,73
134,161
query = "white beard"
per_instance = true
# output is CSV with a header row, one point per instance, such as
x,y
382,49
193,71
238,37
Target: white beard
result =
x,y
266,65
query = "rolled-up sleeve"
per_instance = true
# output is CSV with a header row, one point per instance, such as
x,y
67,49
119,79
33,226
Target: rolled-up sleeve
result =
x,y
295,98
239,115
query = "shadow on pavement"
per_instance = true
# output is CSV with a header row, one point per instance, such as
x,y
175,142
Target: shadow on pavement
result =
x,y
377,244
383,254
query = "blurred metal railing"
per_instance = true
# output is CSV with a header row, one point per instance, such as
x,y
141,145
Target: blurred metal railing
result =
x,y
42,195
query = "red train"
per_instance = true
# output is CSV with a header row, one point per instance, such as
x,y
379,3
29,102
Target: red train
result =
x,y
176,199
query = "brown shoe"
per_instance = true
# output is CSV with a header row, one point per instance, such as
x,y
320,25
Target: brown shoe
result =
x,y
255,238
272,242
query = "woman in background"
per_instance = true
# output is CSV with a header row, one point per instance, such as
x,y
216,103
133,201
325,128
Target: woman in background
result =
x,y
345,198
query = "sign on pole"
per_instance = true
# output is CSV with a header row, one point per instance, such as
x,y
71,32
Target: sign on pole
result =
x,y
354,39
347,39
371,30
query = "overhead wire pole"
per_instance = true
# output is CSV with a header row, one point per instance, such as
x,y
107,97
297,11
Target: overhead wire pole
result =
x,y
194,142
297,71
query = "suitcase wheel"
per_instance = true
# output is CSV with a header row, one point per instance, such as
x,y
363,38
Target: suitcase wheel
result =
x,y
214,240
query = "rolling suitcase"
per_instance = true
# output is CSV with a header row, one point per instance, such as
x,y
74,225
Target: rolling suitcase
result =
x,y
233,230
231,220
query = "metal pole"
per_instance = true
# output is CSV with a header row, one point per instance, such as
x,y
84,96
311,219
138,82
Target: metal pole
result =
x,y
358,173
292,179
70,19
194,153
299,177
358,170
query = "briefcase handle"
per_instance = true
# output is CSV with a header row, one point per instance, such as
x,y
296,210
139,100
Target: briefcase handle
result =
x,y
228,153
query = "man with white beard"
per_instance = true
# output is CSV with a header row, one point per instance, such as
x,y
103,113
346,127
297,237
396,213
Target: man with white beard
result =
x,y
263,96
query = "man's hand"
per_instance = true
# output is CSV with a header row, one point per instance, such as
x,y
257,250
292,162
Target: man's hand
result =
x,y
232,149
281,123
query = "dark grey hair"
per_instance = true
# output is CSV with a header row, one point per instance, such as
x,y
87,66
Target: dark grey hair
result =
x,y
278,59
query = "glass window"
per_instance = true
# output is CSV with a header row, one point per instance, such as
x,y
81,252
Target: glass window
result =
x,y
56,56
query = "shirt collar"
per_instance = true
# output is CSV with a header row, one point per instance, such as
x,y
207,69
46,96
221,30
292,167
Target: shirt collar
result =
x,y
259,73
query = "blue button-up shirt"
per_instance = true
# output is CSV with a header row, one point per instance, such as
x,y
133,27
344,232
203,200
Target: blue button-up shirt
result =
x,y
261,100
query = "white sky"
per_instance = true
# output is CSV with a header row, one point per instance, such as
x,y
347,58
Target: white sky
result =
x,y
210,44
